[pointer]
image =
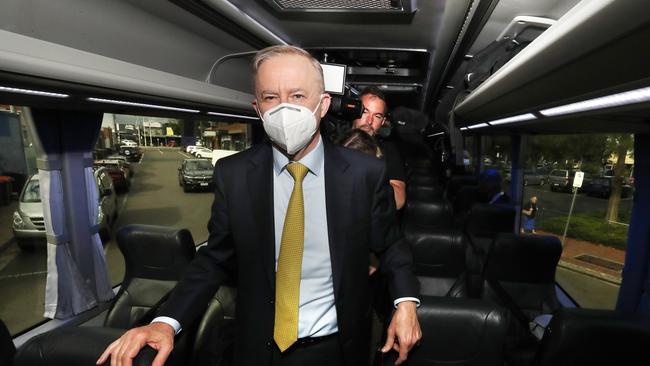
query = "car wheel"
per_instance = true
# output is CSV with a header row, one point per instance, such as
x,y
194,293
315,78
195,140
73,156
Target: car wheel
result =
x,y
186,188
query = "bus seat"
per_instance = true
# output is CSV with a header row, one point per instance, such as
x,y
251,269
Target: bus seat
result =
x,y
440,263
524,266
460,332
587,337
466,197
424,193
520,275
423,180
481,226
422,216
7,349
457,181
215,334
155,258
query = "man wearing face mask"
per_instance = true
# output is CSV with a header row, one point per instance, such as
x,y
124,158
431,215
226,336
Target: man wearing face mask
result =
x,y
374,121
293,221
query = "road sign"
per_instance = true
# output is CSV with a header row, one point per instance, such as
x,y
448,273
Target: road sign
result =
x,y
577,180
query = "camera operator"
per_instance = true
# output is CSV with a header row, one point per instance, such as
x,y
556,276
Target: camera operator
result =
x,y
372,119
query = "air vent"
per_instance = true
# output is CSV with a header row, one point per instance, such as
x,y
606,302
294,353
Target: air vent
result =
x,y
381,6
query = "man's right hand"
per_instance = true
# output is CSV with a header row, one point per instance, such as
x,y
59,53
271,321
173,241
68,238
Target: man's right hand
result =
x,y
159,336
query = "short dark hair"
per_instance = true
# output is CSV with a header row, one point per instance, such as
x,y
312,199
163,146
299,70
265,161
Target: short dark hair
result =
x,y
373,90
360,140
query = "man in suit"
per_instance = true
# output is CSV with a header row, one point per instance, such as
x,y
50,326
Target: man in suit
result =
x,y
319,315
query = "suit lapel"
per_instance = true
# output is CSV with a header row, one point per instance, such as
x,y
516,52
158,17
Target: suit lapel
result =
x,y
338,197
260,189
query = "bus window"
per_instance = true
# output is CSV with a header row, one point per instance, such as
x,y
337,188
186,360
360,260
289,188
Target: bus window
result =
x,y
596,234
138,161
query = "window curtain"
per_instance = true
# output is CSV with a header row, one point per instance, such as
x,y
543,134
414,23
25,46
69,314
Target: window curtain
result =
x,y
102,282
66,293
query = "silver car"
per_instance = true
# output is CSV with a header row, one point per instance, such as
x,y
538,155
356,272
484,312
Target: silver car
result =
x,y
28,223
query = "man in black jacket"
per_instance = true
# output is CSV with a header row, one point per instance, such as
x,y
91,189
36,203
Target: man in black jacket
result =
x,y
298,200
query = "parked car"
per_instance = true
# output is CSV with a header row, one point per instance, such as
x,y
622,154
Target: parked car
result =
x,y
531,177
132,153
125,163
117,171
127,142
562,180
194,174
203,152
29,226
190,149
602,187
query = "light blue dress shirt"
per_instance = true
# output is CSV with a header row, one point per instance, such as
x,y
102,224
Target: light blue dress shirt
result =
x,y
316,310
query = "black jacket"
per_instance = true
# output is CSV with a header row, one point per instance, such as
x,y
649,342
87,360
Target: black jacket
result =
x,y
361,218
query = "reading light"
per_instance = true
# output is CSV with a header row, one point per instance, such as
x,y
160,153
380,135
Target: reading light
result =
x,y
32,92
513,119
478,125
133,104
608,101
232,115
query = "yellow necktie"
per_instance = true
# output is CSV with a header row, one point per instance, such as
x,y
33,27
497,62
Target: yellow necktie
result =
x,y
287,277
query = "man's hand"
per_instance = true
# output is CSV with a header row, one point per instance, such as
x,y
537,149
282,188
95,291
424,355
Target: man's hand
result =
x,y
159,336
404,331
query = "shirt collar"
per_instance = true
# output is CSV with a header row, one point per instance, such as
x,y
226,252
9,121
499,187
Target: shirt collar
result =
x,y
313,161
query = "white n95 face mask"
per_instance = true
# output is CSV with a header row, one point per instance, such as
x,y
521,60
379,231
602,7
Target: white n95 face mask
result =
x,y
290,126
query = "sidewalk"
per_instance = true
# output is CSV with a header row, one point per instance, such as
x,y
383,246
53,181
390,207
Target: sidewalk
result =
x,y
574,248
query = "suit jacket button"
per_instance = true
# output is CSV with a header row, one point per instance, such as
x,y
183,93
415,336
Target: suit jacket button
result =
x,y
268,344
271,301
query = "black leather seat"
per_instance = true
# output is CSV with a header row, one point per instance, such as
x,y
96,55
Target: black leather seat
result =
x,y
583,337
155,259
520,275
459,332
424,193
466,198
423,180
7,349
481,226
456,182
439,258
422,216
524,266
213,344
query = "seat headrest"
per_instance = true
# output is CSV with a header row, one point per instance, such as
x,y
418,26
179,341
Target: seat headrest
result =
x,y
155,251
460,332
524,258
485,220
466,197
439,253
423,180
435,213
578,336
424,193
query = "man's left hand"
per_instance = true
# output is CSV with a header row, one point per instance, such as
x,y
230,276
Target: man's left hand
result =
x,y
404,331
